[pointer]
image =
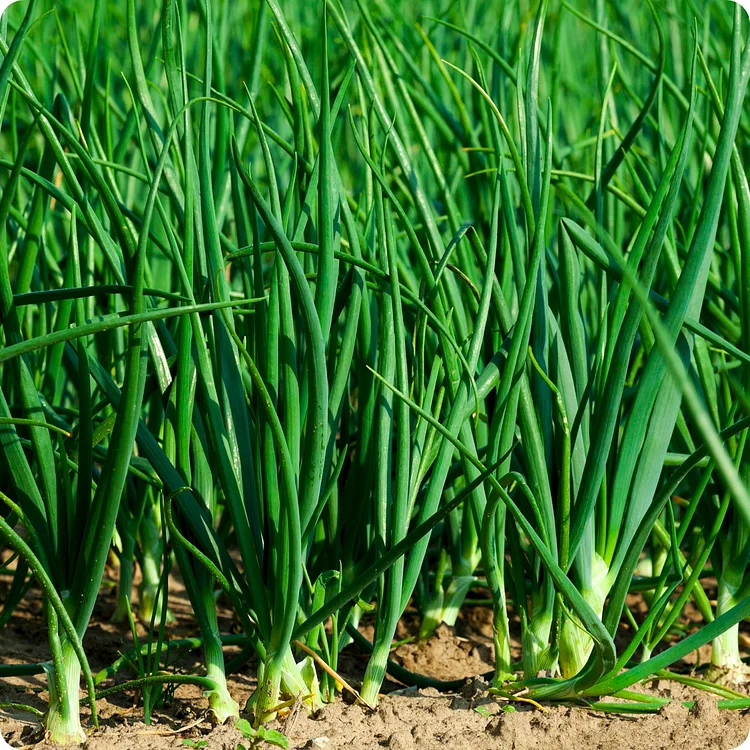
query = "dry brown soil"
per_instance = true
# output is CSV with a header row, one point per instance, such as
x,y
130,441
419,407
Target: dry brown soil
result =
x,y
405,718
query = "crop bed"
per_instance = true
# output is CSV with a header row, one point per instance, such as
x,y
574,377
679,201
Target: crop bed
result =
x,y
353,350
406,718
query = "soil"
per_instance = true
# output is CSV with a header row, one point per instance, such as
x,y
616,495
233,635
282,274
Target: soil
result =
x,y
405,717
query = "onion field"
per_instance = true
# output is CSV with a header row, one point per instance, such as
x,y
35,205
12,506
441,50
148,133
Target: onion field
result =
x,y
331,327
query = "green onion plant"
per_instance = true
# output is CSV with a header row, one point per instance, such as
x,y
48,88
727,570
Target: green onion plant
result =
x,y
335,309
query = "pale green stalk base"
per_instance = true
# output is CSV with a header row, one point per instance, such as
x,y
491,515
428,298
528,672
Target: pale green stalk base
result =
x,y
445,606
152,546
501,642
221,705
576,644
300,678
455,596
727,666
267,695
537,658
281,679
375,674
503,659
63,720
149,604
433,614
725,650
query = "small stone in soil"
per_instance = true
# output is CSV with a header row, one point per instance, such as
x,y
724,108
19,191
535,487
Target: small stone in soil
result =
x,y
460,704
474,688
